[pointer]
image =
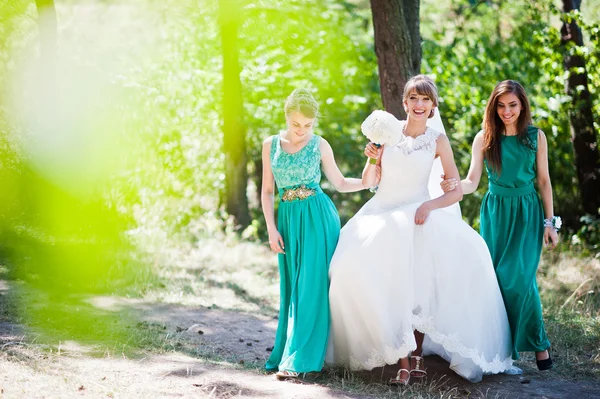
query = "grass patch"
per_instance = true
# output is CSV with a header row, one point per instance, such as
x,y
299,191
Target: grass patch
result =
x,y
53,318
230,275
570,292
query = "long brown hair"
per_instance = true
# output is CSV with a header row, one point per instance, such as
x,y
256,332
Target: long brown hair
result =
x,y
493,127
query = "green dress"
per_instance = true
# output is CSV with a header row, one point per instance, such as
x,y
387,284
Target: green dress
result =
x,y
512,226
310,228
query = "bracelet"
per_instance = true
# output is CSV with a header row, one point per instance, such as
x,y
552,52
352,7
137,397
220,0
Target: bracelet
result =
x,y
555,222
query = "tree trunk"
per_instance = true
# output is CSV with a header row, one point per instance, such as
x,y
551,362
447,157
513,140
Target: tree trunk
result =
x,y
585,146
398,48
47,27
258,180
234,135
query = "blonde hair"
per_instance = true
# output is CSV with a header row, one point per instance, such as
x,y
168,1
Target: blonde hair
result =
x,y
424,86
301,100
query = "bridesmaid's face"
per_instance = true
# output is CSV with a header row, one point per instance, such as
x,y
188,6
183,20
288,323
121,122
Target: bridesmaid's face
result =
x,y
298,124
509,108
418,106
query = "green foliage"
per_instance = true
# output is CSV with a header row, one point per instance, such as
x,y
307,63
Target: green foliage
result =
x,y
168,72
283,45
167,80
508,41
588,234
58,226
318,45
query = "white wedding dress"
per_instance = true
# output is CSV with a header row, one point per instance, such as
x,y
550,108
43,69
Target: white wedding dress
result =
x,y
390,276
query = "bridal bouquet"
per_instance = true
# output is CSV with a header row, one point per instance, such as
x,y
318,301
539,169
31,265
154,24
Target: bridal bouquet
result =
x,y
381,128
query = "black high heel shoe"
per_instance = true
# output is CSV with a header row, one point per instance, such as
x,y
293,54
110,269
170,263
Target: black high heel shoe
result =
x,y
545,364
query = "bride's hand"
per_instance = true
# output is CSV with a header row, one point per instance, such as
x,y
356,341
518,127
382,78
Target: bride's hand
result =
x,y
422,213
372,151
448,184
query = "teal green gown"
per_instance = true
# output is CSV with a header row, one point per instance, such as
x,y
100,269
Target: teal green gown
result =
x,y
310,230
512,226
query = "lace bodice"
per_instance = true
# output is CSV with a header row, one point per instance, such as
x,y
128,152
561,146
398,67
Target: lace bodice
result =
x,y
405,169
424,142
302,167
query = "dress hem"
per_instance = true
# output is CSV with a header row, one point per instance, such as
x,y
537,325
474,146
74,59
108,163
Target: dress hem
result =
x,y
450,343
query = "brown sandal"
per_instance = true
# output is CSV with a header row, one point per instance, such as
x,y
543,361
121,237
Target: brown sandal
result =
x,y
418,371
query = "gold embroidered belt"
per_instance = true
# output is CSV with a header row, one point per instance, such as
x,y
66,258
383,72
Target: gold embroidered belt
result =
x,y
298,193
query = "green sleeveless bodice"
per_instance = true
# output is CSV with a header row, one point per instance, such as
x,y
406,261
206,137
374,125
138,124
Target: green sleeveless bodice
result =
x,y
300,168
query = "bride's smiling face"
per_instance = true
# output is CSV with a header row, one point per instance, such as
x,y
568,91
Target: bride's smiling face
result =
x,y
418,106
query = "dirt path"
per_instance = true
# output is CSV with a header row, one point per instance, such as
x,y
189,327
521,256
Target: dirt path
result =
x,y
246,337
242,342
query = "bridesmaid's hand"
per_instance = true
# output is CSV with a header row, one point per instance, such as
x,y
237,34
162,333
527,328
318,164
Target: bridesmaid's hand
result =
x,y
448,184
372,151
276,241
550,237
422,213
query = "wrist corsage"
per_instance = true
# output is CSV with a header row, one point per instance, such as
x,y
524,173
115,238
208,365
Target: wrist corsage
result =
x,y
555,222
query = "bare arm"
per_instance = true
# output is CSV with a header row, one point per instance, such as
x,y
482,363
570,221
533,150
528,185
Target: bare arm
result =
x,y
471,182
267,198
444,151
333,174
545,187
372,172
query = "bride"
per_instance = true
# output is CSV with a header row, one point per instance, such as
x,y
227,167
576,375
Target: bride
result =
x,y
408,276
